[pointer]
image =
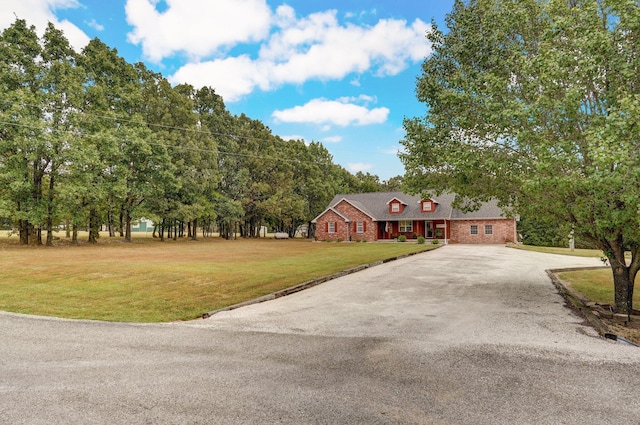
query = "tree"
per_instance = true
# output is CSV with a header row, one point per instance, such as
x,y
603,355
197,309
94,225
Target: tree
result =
x,y
534,103
22,138
62,88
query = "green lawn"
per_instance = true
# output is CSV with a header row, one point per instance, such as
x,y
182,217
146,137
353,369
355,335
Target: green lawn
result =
x,y
151,281
594,285
563,251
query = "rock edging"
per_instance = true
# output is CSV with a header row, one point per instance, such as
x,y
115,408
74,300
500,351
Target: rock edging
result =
x,y
308,284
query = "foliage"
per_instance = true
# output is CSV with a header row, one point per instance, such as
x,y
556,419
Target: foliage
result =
x,y
533,103
402,238
421,240
89,140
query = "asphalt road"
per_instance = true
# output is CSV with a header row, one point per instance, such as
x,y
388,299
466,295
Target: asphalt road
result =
x,y
460,335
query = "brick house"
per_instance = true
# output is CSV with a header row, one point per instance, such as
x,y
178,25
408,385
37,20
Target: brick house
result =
x,y
387,215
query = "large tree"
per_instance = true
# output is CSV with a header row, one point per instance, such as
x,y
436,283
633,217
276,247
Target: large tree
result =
x,y
535,103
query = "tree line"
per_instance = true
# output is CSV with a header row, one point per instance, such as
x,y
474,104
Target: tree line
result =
x,y
89,140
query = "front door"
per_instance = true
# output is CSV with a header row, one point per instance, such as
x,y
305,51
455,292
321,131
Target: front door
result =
x,y
428,229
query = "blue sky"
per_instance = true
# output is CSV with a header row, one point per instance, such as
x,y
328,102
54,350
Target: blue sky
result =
x,y
341,72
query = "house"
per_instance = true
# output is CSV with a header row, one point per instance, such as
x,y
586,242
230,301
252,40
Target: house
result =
x,y
387,215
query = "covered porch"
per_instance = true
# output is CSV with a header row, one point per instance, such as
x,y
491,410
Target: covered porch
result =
x,y
412,229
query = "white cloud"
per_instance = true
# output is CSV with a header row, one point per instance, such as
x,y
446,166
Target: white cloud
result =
x,y
95,25
292,137
318,47
354,167
232,78
196,28
40,12
332,139
315,47
335,112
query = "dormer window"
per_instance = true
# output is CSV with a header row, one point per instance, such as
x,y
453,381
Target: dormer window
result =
x,y
396,206
427,206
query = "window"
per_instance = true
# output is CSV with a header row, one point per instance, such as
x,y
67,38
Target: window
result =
x,y
427,206
395,207
488,229
331,227
360,227
474,229
406,226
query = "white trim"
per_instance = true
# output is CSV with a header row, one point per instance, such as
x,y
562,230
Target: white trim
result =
x,y
397,199
356,207
342,216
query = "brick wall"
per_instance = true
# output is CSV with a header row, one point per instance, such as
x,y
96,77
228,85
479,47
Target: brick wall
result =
x,y
370,226
504,230
341,231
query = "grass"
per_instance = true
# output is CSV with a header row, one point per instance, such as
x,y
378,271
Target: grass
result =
x,y
597,286
150,281
562,251
594,285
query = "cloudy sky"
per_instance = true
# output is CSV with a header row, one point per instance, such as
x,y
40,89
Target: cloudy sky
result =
x,y
341,72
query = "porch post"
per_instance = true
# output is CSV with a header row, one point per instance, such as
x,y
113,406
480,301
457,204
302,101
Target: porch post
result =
x,y
447,231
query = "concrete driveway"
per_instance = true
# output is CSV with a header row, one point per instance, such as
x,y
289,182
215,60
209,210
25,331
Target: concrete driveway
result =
x,y
460,335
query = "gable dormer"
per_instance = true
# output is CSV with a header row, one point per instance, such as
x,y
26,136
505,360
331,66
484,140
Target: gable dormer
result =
x,y
396,206
428,205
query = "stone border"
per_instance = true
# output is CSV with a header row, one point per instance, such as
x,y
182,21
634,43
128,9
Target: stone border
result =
x,y
575,301
309,284
591,311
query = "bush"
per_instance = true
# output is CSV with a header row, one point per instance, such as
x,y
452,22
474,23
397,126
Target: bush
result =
x,y
402,238
420,240
435,241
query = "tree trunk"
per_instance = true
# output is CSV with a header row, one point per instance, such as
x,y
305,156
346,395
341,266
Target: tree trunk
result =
x,y
25,231
121,229
623,288
624,276
127,226
50,206
74,237
194,235
112,232
94,230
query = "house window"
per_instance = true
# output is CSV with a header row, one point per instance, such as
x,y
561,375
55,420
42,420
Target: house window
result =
x,y
395,207
427,206
331,227
488,229
360,227
474,229
406,226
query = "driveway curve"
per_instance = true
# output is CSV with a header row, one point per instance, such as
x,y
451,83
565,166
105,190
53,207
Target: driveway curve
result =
x,y
459,335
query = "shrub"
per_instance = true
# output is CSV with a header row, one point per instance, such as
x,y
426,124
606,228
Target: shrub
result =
x,y
420,240
435,241
402,238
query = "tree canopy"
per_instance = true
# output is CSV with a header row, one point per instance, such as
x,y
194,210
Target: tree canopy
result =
x,y
88,140
535,103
